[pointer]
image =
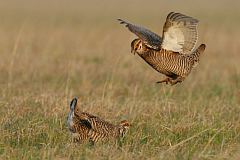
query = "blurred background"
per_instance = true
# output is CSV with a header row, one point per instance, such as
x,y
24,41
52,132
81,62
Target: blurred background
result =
x,y
52,51
53,40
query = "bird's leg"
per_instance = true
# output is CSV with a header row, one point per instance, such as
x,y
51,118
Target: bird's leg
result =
x,y
75,140
177,80
91,142
166,80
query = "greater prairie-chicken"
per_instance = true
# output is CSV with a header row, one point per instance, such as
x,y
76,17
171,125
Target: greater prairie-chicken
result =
x,y
87,127
172,54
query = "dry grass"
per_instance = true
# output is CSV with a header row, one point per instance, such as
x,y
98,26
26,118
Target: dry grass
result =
x,y
53,51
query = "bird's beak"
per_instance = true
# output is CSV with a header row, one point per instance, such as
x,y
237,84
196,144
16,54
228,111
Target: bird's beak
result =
x,y
133,51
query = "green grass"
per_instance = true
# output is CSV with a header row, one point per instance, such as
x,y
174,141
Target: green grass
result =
x,y
52,52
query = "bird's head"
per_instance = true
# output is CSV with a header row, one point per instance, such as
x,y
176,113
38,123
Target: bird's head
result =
x,y
137,46
124,127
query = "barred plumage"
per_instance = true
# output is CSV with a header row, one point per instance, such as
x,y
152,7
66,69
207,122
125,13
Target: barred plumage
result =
x,y
172,55
85,126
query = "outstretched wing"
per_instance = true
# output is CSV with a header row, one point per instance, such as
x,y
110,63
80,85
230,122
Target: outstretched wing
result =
x,y
150,39
179,33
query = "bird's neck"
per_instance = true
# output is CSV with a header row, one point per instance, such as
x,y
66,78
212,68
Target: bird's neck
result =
x,y
145,54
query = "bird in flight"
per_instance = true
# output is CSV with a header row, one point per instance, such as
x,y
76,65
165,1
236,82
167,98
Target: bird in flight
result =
x,y
173,54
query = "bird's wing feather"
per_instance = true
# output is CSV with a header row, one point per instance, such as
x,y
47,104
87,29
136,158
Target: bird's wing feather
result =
x,y
94,123
150,39
179,33
85,119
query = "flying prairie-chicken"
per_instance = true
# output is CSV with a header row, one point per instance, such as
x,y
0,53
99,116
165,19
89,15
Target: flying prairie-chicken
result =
x,y
87,127
172,55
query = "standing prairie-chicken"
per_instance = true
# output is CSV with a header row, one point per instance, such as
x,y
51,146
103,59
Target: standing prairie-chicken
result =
x,y
85,126
172,55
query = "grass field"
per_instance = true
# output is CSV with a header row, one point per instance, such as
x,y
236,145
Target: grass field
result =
x,y
53,51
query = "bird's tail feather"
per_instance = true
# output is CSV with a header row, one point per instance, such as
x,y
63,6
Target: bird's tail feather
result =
x,y
73,104
196,54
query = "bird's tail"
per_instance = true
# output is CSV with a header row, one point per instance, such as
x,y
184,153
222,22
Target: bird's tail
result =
x,y
196,54
70,116
73,104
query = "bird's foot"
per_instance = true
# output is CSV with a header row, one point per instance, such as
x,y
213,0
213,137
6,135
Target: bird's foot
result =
x,y
166,80
171,81
177,80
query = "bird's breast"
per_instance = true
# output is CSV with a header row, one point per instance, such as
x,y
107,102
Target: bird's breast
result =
x,y
167,62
